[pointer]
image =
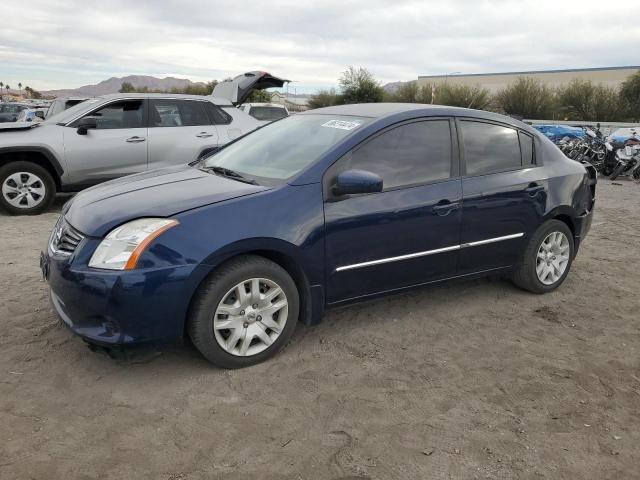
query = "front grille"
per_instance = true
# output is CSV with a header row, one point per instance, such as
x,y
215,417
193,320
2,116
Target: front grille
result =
x,y
64,238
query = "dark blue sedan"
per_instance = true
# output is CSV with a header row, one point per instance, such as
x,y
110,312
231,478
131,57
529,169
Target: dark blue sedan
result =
x,y
320,209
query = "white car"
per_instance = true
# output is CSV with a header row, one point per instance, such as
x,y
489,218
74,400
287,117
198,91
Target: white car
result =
x,y
265,112
108,137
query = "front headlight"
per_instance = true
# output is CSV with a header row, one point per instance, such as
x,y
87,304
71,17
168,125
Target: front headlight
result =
x,y
122,247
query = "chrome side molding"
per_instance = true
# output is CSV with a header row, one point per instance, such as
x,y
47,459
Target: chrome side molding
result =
x,y
428,252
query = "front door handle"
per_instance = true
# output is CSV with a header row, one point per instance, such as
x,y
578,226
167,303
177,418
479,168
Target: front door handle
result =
x,y
136,139
533,189
204,135
445,207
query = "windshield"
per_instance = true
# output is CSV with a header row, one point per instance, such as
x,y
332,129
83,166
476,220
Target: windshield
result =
x,y
268,113
11,108
282,149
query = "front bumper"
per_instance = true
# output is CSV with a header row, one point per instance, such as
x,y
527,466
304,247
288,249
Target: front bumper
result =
x,y
119,308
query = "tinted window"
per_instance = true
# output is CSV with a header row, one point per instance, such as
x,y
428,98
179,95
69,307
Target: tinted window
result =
x,y
177,113
268,113
526,145
126,114
410,154
216,114
489,148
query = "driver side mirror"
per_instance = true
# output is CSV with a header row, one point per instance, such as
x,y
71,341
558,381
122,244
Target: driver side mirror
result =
x,y
353,182
85,124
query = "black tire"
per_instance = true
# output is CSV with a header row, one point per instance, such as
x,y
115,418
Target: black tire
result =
x,y
212,292
31,168
524,274
617,171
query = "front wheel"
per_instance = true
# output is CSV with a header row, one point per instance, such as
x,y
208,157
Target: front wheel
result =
x,y
244,313
618,170
26,188
547,258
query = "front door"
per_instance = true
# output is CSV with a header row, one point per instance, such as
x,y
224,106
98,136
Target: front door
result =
x,y
504,195
117,147
407,234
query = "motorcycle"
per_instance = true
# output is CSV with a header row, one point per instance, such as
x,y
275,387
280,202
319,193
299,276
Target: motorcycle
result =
x,y
628,162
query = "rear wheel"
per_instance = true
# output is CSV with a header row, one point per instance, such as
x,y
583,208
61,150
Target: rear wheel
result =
x,y
244,313
25,188
547,258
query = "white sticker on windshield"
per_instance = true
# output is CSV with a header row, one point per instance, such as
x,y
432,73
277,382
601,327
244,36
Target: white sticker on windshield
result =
x,y
341,124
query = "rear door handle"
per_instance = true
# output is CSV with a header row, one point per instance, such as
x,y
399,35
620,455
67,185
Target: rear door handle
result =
x,y
136,139
533,189
204,135
445,207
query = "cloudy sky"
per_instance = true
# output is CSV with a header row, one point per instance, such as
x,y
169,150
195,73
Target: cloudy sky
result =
x,y
50,44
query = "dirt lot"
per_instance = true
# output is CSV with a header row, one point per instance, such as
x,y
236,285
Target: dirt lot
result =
x,y
470,380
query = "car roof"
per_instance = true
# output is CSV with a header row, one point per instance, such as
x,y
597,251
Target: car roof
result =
x,y
124,96
381,110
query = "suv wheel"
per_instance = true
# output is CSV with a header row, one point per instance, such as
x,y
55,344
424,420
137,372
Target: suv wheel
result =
x,y
25,188
244,313
547,258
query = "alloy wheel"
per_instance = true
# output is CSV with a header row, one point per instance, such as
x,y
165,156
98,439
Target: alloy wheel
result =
x,y
552,258
23,190
250,317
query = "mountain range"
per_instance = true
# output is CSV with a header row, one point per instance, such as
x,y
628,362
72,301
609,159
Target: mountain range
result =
x,y
114,84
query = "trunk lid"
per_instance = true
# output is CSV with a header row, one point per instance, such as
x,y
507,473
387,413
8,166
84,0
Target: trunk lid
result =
x,y
239,88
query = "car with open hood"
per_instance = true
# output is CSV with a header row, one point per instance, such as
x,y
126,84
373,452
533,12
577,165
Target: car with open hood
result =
x,y
318,210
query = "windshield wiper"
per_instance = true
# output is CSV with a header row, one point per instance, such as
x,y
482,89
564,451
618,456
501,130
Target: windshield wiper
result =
x,y
227,172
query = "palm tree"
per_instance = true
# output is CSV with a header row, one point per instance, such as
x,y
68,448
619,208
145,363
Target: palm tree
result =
x,y
1,85
8,88
20,88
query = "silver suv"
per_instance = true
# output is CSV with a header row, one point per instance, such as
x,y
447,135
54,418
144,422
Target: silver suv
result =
x,y
107,137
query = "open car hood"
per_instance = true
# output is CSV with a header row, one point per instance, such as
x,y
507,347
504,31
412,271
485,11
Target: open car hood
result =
x,y
238,89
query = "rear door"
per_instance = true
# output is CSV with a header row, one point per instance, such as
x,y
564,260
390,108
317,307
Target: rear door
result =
x,y
117,147
504,194
405,235
179,131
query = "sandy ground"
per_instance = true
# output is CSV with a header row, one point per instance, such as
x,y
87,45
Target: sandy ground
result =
x,y
468,380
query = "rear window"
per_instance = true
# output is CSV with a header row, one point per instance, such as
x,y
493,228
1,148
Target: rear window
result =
x,y
268,113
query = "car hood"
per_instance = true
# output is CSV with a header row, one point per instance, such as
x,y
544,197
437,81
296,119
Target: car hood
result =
x,y
8,126
238,89
157,193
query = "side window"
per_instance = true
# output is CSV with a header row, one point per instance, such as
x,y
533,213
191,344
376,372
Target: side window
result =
x,y
217,115
177,113
489,148
410,154
125,114
526,146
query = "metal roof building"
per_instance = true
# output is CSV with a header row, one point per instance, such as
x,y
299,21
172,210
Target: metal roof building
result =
x,y
610,76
